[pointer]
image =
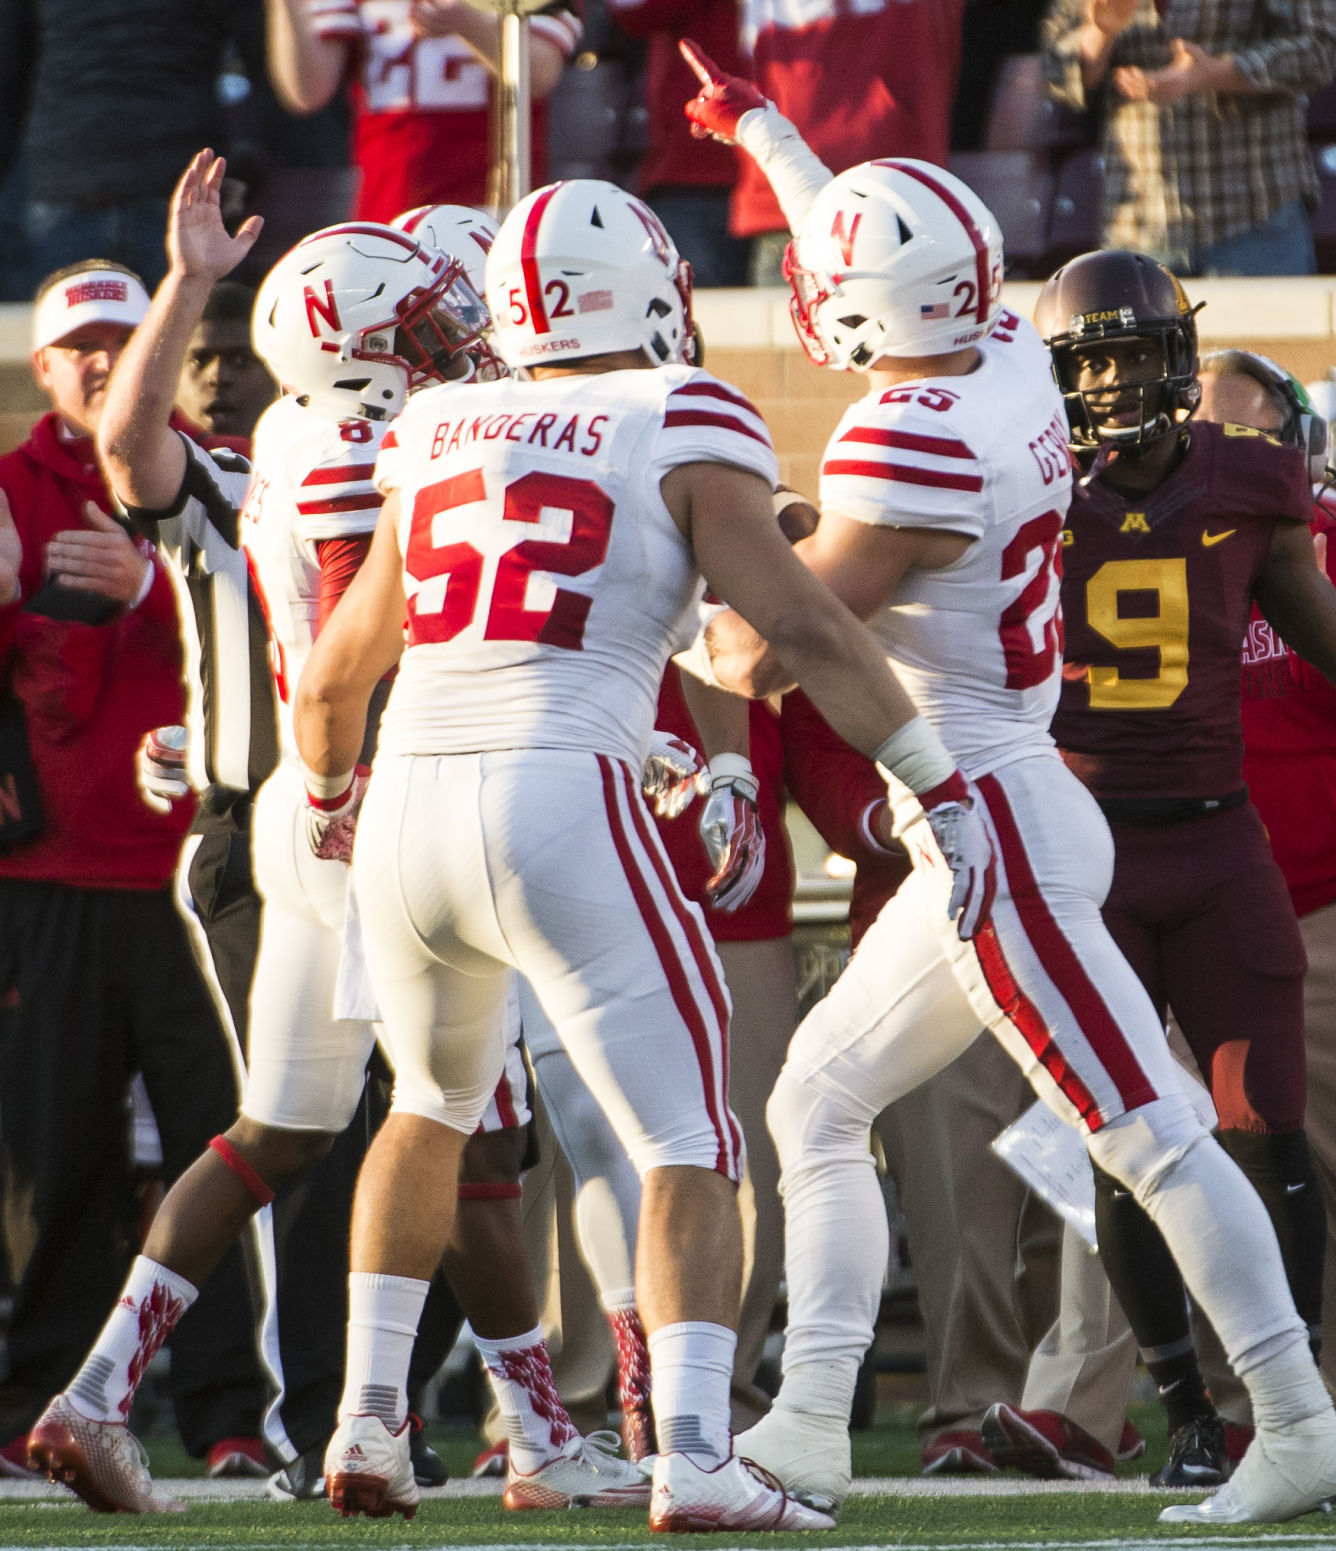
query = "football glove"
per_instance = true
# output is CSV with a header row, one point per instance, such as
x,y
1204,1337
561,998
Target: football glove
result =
x,y
953,809
674,772
160,768
730,826
331,822
722,100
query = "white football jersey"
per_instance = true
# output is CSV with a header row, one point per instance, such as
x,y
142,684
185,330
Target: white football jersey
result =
x,y
977,644
312,480
546,581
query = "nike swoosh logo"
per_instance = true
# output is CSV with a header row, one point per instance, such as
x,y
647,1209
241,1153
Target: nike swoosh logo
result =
x,y
1291,1190
1216,538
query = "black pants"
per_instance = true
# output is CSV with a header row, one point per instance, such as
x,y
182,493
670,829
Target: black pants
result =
x,y
96,985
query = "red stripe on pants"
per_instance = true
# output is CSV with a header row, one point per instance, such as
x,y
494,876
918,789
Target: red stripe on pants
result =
x,y
1060,963
678,984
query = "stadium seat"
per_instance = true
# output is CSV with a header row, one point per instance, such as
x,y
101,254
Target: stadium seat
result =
x,y
1023,117
1324,217
1075,224
1017,186
1322,114
296,201
596,123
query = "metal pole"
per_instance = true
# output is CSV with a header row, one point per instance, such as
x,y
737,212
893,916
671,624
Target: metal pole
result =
x,y
516,169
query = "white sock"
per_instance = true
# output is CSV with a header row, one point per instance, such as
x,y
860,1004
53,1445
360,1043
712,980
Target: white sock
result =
x,y
692,1368
147,1311
836,1246
383,1314
536,1421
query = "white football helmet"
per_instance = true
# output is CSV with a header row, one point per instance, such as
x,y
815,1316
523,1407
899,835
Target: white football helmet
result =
x,y
356,315
463,233
583,268
895,258
460,230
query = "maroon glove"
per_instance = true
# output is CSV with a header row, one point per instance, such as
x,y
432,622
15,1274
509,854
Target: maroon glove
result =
x,y
722,99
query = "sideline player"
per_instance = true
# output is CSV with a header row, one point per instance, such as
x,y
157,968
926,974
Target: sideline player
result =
x,y
547,549
943,497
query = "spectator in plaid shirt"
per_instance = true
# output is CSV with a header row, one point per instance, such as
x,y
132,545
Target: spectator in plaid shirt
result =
x,y
1206,155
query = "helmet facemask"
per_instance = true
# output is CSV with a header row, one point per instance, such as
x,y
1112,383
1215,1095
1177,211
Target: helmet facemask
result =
x,y
1163,400
441,333
809,292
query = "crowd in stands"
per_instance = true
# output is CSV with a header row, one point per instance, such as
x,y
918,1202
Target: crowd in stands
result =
x,y
330,108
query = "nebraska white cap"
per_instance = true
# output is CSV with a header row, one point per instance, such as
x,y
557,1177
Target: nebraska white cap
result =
x,y
88,296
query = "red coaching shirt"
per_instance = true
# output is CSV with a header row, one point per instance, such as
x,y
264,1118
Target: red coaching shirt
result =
x,y
1289,762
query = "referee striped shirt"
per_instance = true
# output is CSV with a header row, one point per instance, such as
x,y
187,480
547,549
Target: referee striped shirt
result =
x,y
233,702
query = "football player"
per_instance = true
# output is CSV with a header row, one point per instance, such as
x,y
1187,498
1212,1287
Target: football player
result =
x,y
547,547
944,494
1176,529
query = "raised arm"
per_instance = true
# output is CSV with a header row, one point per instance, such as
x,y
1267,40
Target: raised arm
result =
x,y
732,110
144,459
481,32
305,69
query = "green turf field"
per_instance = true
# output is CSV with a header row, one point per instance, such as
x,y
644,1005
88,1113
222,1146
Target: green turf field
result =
x,y
909,1513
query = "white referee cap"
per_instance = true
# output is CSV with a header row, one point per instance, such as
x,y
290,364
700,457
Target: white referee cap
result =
x,y
102,295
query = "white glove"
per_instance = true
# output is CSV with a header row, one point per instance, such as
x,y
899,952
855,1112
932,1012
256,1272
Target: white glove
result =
x,y
331,822
953,809
730,826
160,768
674,772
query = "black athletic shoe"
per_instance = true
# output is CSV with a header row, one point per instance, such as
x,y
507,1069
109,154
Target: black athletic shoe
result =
x,y
1197,1455
428,1466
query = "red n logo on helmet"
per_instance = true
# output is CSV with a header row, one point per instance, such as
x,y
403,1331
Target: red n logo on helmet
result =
x,y
845,239
326,309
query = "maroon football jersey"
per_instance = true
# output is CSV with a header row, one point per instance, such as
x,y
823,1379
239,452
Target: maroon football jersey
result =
x,y
1156,595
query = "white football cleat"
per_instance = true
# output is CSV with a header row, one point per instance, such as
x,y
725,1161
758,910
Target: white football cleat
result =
x,y
1287,1471
368,1469
736,1494
102,1462
808,1454
590,1474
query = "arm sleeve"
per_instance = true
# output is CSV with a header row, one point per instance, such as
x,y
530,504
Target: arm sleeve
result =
x,y
1059,53
1298,50
794,171
340,560
560,24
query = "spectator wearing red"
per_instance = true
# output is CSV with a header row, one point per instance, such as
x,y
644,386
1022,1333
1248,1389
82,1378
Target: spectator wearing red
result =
x,y
688,180
423,74
858,81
